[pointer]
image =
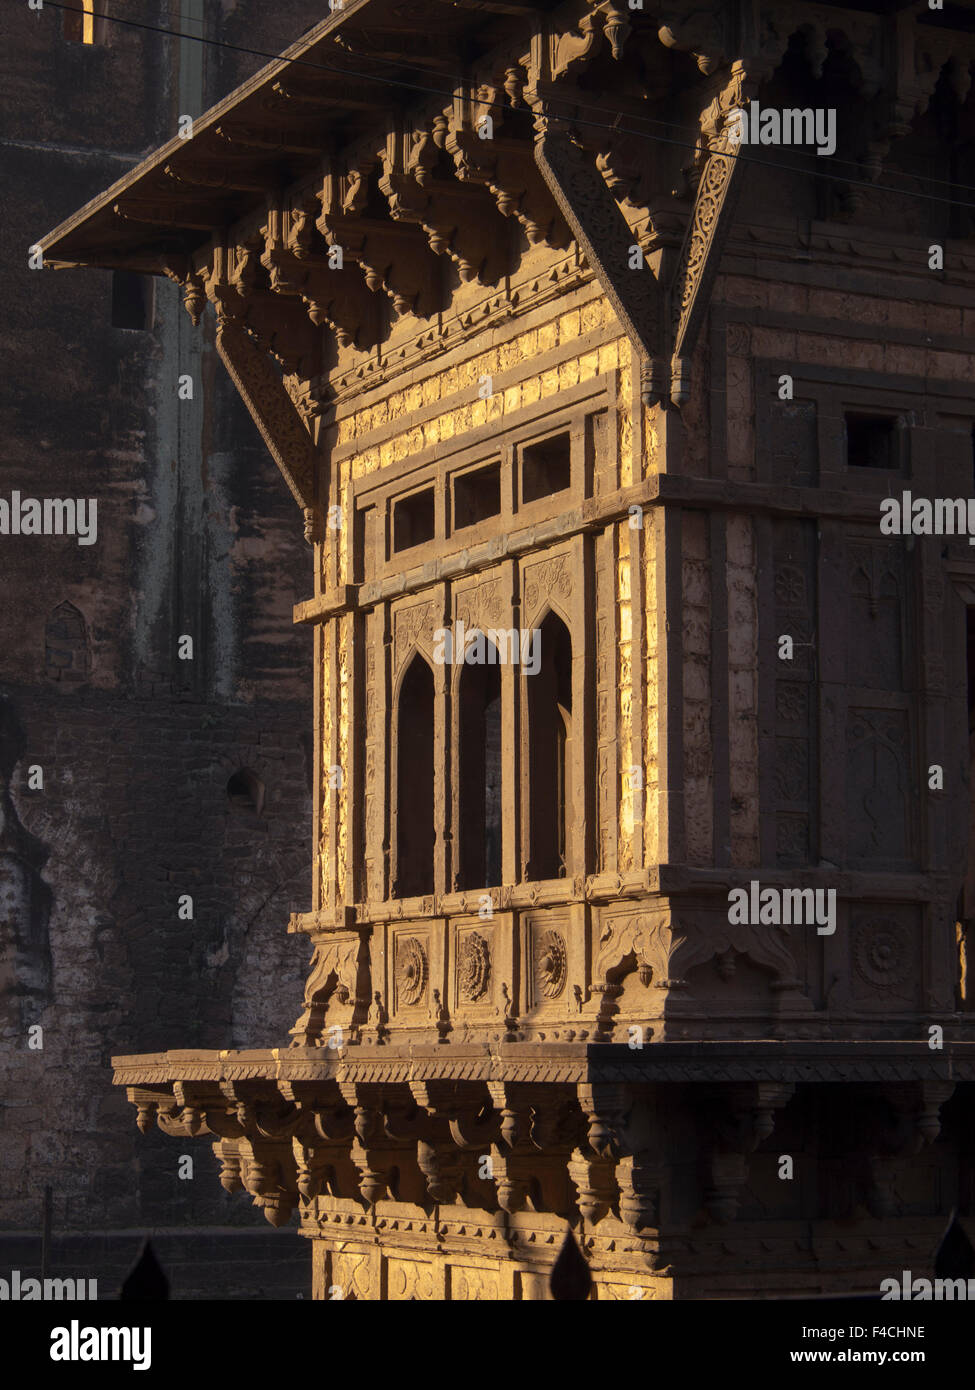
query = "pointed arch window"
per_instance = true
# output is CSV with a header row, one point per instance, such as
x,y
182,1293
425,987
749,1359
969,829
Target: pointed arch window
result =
x,y
549,788
480,772
415,826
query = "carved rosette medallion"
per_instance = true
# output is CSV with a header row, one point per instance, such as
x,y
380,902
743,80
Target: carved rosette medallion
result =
x,y
474,968
882,952
411,970
550,964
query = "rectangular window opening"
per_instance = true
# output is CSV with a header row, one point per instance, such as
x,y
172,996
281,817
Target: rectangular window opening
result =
x,y
131,300
871,441
414,520
545,468
477,496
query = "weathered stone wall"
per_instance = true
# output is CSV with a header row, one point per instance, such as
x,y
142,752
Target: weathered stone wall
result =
x,y
197,535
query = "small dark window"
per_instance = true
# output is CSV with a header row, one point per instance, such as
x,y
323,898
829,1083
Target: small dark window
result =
x,y
871,441
131,300
477,496
413,520
545,468
245,791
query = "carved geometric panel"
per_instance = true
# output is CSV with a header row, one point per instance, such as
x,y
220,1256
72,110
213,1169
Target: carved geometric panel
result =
x,y
468,1284
484,605
414,624
408,1280
878,603
547,581
793,444
351,1272
879,798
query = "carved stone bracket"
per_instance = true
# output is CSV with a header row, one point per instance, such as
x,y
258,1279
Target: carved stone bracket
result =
x,y
605,237
734,1121
275,415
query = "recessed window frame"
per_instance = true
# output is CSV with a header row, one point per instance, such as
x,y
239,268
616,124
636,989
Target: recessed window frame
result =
x,y
525,446
464,477
398,507
897,431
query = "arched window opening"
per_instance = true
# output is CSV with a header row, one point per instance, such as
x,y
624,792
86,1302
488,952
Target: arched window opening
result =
x,y
66,656
549,753
245,791
480,773
415,831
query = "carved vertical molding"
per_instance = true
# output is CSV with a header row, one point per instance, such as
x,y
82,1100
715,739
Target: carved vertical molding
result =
x,y
607,767
714,206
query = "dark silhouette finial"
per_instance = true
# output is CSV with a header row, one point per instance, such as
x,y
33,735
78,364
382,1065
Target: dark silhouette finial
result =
x,y
570,1277
145,1281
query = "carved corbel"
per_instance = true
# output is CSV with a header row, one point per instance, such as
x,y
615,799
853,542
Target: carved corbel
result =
x,y
191,283
640,1180
735,1120
405,160
513,1110
311,1167
605,238
229,1158
393,256
474,155
698,33
914,1121
594,1180
267,1171
442,1167
373,1152
181,1122
333,293
605,1107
